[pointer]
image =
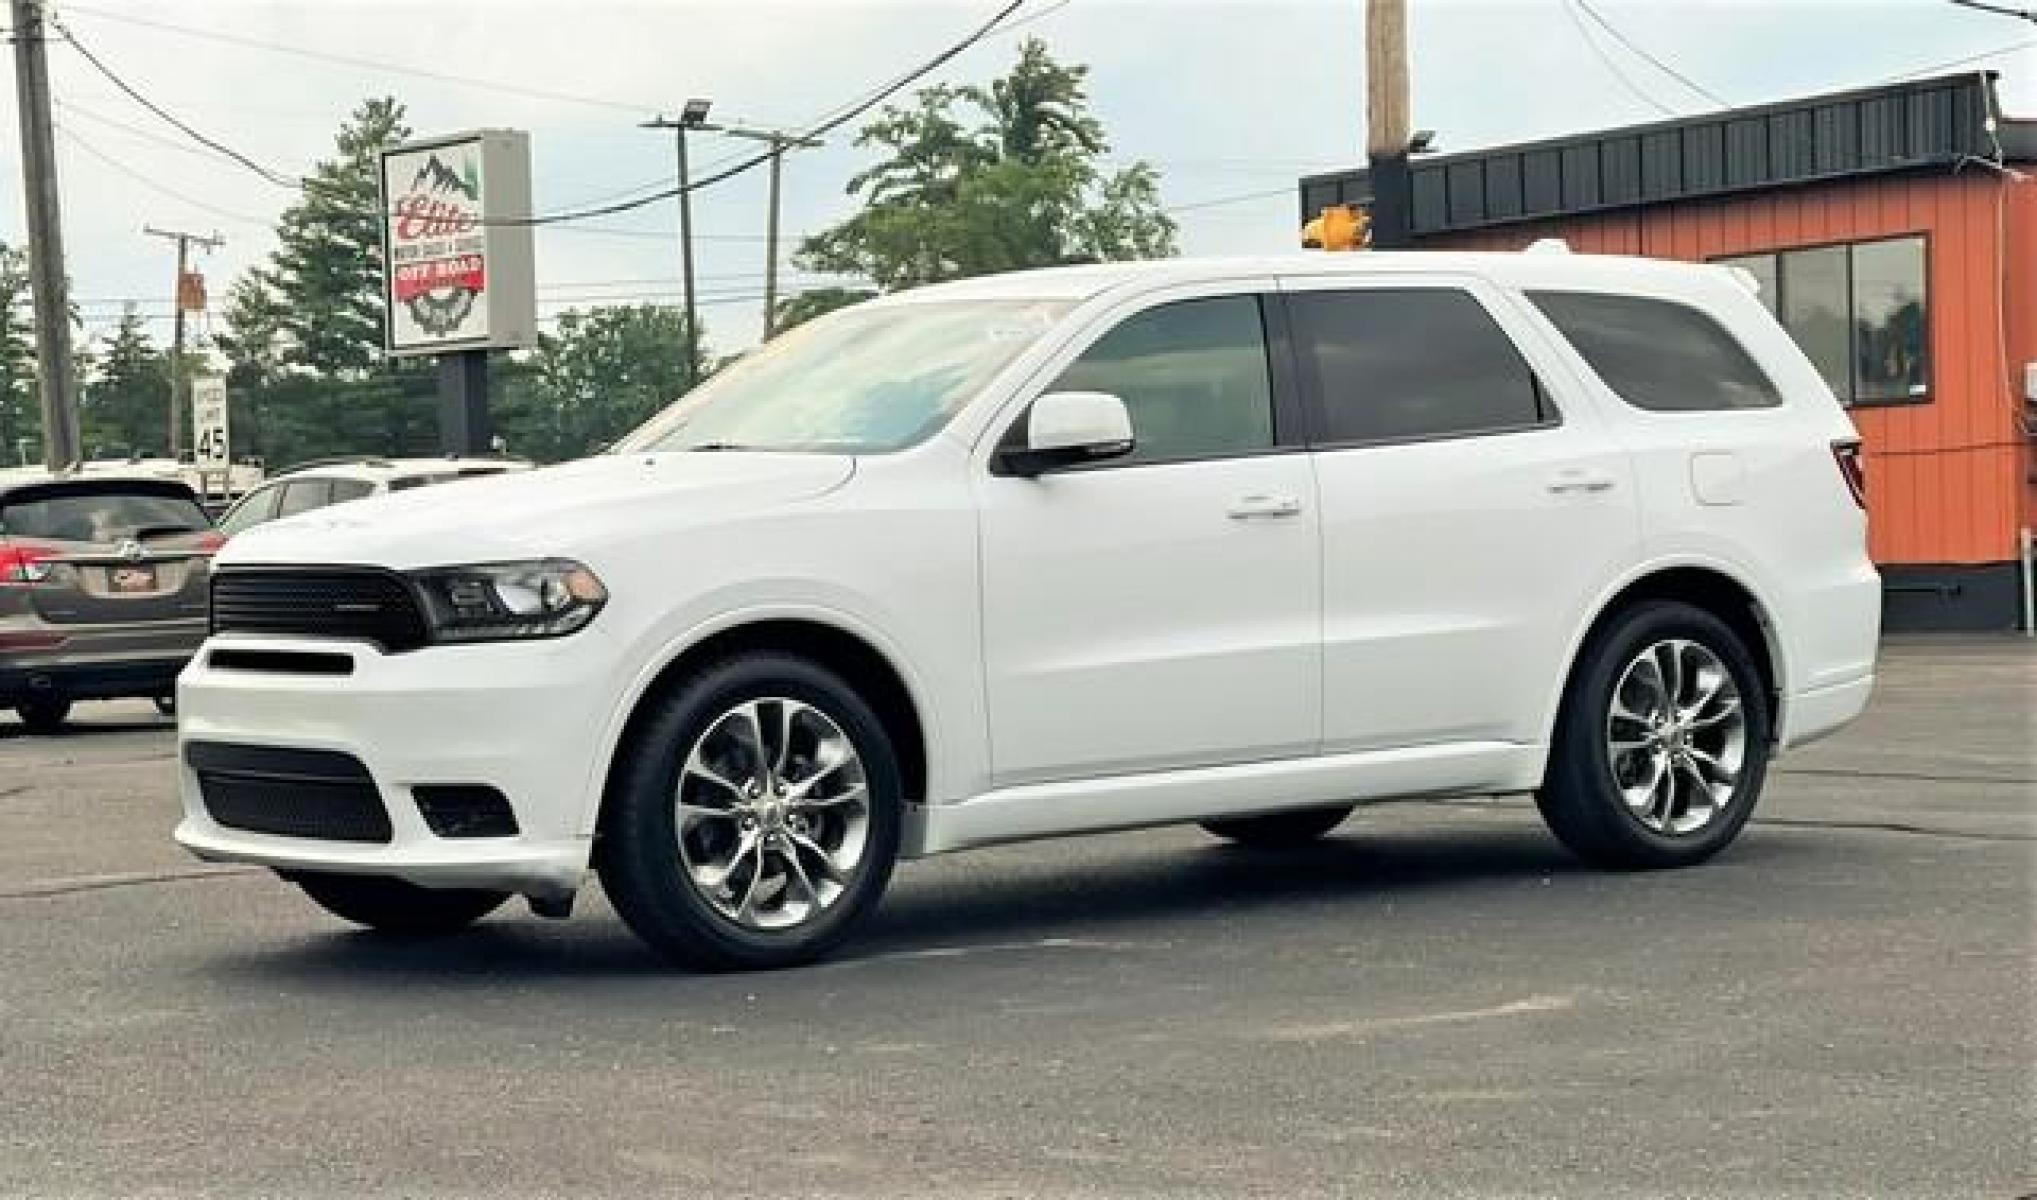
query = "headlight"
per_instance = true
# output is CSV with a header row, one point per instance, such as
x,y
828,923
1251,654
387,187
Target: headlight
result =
x,y
493,602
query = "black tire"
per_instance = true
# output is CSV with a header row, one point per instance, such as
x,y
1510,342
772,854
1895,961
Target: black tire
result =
x,y
397,908
1580,799
1279,831
636,854
44,714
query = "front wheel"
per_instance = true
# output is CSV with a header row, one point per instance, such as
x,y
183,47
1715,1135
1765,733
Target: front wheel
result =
x,y
1279,831
1663,741
395,907
755,817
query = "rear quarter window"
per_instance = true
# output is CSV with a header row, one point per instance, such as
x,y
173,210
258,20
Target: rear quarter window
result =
x,y
1659,354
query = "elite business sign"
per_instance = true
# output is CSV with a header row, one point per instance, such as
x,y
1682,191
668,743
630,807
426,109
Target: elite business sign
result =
x,y
457,256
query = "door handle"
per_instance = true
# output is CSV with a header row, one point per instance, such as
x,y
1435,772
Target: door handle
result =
x,y
1258,506
1574,481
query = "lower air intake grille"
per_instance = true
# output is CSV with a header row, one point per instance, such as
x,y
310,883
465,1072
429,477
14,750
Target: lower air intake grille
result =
x,y
319,794
465,810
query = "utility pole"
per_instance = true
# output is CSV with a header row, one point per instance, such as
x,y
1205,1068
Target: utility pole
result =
x,y
179,386
45,240
779,141
1387,123
692,117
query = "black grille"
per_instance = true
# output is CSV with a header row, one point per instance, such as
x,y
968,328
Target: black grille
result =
x,y
319,794
326,602
465,810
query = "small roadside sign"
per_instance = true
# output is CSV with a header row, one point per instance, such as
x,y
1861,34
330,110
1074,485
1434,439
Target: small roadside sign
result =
x,y
208,423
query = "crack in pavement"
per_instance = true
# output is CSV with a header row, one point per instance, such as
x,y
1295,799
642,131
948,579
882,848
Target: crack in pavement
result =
x,y
99,883
1914,776
1893,827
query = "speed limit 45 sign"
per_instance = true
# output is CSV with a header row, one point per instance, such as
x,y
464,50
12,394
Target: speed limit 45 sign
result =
x,y
208,423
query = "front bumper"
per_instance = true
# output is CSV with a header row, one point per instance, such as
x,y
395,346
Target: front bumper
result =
x,y
524,718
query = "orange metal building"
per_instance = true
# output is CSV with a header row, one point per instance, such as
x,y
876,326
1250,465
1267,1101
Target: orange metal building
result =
x,y
1894,231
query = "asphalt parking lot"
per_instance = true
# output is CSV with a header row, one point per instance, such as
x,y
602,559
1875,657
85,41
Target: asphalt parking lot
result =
x,y
1435,1001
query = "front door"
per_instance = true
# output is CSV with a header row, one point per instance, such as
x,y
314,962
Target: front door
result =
x,y
1161,610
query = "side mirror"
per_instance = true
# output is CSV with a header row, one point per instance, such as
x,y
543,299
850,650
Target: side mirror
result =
x,y
1065,429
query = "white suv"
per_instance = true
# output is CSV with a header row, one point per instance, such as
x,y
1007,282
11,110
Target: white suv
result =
x,y
1243,543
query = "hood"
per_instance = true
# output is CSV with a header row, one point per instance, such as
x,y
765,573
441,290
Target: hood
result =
x,y
562,510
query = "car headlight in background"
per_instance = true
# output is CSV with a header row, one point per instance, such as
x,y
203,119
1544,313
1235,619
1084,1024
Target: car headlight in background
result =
x,y
492,602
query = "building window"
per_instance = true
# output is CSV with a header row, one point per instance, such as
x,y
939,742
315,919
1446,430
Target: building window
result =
x,y
1859,312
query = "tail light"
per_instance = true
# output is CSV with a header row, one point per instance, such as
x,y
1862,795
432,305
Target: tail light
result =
x,y
1847,455
210,543
21,565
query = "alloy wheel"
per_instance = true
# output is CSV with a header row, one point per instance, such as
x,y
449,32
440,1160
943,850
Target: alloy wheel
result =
x,y
1676,736
773,813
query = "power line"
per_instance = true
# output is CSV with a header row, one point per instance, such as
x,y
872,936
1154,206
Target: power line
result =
x,y
71,136
352,61
276,177
843,117
1240,198
2011,48
68,108
1659,65
1612,65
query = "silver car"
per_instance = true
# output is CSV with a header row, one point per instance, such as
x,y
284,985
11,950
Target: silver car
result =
x,y
103,584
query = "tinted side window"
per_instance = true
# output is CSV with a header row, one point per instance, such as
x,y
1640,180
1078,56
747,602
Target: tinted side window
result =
x,y
344,490
1396,363
1193,374
1657,354
303,495
259,506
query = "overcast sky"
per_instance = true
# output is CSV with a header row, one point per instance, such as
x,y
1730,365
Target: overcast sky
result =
x,y
1228,98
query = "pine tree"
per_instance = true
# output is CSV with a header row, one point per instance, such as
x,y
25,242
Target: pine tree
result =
x,y
20,405
125,404
304,332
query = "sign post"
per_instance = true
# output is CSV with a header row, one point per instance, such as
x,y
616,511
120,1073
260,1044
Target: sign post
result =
x,y
458,267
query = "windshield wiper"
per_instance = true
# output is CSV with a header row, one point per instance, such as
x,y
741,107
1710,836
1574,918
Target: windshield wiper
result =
x,y
146,532
717,447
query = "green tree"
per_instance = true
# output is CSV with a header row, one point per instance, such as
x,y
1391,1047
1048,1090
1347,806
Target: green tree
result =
x,y
20,404
603,372
303,338
982,179
124,405
804,306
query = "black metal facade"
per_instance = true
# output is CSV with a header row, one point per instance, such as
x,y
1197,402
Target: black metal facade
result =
x,y
1926,124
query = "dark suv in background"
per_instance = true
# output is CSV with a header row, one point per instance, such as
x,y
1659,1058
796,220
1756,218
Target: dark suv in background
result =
x,y
102,590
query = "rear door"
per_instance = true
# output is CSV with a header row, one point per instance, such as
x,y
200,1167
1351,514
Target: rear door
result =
x,y
1473,505
111,551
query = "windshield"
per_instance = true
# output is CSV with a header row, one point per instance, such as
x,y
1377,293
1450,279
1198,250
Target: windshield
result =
x,y
861,381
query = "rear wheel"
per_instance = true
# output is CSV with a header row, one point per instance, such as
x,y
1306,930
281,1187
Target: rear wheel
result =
x,y
395,907
44,714
1663,742
1279,831
755,817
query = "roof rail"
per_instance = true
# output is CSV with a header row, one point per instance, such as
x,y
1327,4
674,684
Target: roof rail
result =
x,y
337,460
